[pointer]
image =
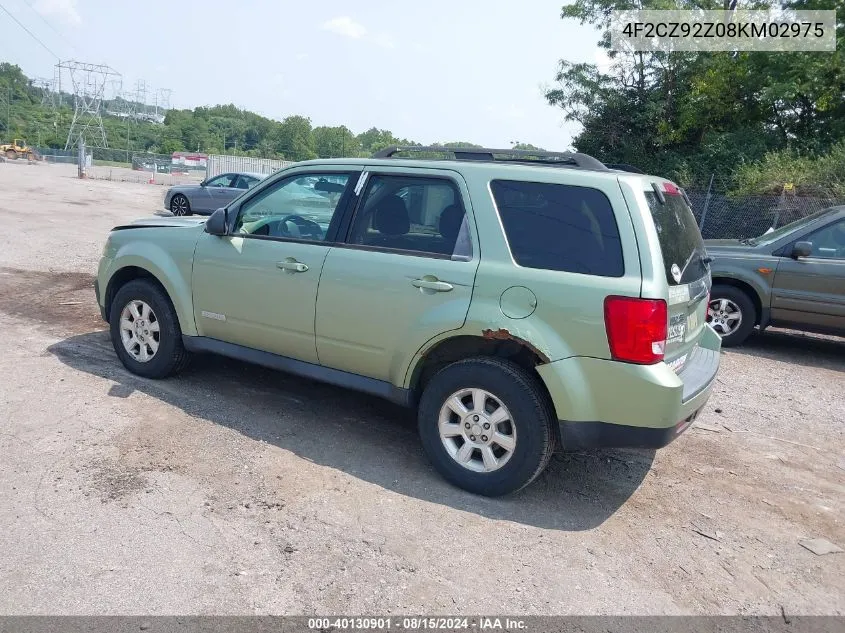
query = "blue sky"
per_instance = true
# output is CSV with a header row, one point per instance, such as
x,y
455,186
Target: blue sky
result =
x,y
430,71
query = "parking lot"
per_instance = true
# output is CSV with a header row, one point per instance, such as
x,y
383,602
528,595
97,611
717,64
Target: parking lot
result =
x,y
235,489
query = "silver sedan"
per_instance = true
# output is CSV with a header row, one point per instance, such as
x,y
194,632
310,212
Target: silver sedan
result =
x,y
211,194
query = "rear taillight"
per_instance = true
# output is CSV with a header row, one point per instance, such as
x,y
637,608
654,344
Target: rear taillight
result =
x,y
636,329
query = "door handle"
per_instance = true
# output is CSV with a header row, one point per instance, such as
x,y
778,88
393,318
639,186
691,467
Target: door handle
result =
x,y
432,284
292,266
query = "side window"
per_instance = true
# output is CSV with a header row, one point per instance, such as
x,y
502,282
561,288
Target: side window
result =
x,y
829,242
408,213
299,207
559,227
223,180
241,182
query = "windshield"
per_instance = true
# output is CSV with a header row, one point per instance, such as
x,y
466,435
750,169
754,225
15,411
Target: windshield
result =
x,y
773,236
680,239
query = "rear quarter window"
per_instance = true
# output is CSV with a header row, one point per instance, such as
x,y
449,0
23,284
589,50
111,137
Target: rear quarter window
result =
x,y
559,227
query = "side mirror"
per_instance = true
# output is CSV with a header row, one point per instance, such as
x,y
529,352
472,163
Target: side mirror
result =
x,y
203,183
802,249
218,223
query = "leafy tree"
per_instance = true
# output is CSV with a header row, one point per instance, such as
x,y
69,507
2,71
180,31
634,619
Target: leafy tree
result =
x,y
687,115
331,142
294,140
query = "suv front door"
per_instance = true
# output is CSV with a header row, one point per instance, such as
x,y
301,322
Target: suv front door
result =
x,y
810,291
404,275
257,286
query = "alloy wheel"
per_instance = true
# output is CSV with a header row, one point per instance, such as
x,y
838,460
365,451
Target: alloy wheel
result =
x,y
724,316
477,430
179,205
139,331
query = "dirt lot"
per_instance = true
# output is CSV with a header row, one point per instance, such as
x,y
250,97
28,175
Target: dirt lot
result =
x,y
233,489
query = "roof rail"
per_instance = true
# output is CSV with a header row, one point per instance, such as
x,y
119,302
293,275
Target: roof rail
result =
x,y
624,167
529,156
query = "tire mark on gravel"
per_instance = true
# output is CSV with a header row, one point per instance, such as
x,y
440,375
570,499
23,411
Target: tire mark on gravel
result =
x,y
64,302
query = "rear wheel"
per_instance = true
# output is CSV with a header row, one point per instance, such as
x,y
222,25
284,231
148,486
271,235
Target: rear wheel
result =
x,y
179,205
11,154
731,313
486,425
145,330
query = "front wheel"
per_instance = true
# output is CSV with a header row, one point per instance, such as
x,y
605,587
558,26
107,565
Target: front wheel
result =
x,y
145,330
731,313
486,425
180,205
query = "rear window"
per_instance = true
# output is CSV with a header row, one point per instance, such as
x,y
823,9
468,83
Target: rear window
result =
x,y
680,239
559,227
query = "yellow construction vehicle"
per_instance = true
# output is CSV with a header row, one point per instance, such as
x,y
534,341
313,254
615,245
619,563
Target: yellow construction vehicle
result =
x,y
17,149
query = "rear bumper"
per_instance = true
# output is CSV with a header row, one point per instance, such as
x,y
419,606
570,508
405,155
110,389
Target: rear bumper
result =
x,y
602,403
581,435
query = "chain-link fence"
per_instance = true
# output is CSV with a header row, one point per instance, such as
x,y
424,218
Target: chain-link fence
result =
x,y
154,169
53,155
721,215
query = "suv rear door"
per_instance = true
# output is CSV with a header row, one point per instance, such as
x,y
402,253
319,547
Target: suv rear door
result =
x,y
404,275
685,268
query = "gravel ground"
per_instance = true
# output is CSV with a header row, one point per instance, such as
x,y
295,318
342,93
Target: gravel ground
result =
x,y
234,489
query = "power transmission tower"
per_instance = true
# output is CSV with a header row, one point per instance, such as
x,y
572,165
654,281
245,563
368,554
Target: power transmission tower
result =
x,y
128,110
89,87
141,96
162,101
48,92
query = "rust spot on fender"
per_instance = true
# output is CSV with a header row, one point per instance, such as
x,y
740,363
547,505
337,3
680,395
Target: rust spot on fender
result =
x,y
504,335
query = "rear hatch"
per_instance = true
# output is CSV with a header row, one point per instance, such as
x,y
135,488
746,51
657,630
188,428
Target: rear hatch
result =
x,y
687,271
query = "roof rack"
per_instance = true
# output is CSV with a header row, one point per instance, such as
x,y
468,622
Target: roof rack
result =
x,y
624,167
527,156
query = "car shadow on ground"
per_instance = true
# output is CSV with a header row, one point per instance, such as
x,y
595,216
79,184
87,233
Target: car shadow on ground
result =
x,y
797,348
364,436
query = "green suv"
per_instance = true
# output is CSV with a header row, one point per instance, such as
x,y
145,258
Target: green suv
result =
x,y
521,301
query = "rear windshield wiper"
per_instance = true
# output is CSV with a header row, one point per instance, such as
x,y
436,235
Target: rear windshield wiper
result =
x,y
748,241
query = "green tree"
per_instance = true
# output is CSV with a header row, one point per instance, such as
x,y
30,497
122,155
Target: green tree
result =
x,y
294,140
687,115
330,142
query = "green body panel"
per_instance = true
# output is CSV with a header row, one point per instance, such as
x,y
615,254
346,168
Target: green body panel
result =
x,y
166,252
237,279
371,319
569,316
592,389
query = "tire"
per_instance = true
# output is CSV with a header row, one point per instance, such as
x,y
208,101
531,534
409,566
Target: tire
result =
x,y
530,422
170,356
11,154
30,156
735,300
179,205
